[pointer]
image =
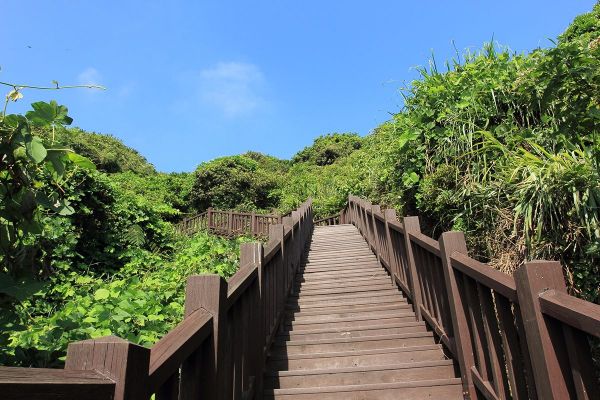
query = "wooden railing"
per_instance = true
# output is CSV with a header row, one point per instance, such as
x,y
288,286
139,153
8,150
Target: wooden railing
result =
x,y
520,337
229,223
331,220
218,351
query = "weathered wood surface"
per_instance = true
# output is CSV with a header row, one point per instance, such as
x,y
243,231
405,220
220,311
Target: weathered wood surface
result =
x,y
367,307
32,383
349,333
229,223
522,338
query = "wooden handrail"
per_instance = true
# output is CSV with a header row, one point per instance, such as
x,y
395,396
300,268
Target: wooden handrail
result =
x,y
175,347
38,383
330,220
519,338
489,277
229,223
219,349
512,337
572,311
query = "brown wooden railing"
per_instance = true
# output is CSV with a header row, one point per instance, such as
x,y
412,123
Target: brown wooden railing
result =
x,y
229,223
331,220
520,337
217,352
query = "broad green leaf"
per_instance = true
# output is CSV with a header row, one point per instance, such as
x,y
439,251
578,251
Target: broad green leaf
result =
x,y
101,294
48,113
36,150
81,161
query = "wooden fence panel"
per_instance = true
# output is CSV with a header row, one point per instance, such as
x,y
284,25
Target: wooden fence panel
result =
x,y
525,341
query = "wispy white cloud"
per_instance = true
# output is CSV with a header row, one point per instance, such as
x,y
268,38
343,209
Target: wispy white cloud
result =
x,y
89,76
125,90
234,88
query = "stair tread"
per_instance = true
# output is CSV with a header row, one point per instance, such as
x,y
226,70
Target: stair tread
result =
x,y
348,332
373,386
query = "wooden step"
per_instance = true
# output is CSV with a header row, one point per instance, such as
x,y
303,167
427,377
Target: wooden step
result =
x,y
427,370
341,316
349,333
347,281
373,287
348,344
296,302
357,358
440,389
339,258
358,317
332,332
322,275
304,299
354,308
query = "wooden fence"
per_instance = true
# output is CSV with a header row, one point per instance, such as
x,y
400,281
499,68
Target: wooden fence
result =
x,y
216,352
331,220
520,337
229,223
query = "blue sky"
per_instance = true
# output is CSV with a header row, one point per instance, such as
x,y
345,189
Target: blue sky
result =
x,y
189,81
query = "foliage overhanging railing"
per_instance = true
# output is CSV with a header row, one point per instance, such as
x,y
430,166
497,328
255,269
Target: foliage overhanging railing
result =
x,y
218,351
229,223
520,337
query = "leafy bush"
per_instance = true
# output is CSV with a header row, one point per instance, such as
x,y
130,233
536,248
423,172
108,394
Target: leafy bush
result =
x,y
108,153
140,302
328,148
172,191
503,146
236,182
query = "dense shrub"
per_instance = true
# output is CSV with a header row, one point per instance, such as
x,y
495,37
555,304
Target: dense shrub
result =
x,y
327,149
140,302
244,182
503,146
108,153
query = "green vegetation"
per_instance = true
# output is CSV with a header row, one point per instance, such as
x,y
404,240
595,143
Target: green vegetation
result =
x,y
326,149
140,302
107,152
501,146
88,252
244,182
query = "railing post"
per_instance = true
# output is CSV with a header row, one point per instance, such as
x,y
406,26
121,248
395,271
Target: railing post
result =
x,y
375,209
412,226
549,360
290,261
390,215
230,222
451,242
367,209
253,224
209,219
125,363
276,234
253,253
203,375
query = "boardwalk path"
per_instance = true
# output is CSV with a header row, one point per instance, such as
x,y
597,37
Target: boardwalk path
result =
x,y
350,334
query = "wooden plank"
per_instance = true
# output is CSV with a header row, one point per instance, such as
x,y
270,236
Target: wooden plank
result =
x,y
125,363
175,347
449,243
549,362
208,292
482,273
45,383
575,312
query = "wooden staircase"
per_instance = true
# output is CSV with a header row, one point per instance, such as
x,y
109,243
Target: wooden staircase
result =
x,y
348,333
